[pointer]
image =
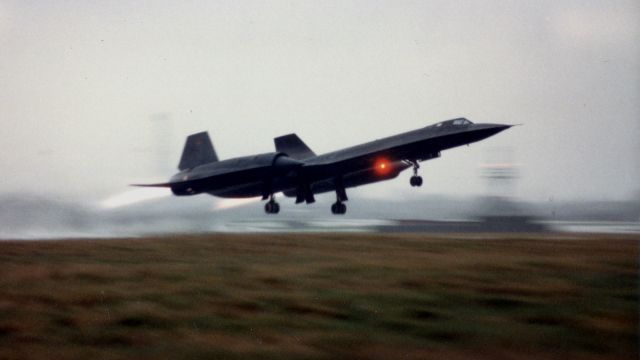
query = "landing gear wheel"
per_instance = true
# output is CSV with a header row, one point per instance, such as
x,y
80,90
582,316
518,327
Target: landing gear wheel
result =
x,y
338,208
416,180
272,207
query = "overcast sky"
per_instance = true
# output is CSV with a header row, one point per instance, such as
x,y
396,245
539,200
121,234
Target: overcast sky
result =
x,y
81,81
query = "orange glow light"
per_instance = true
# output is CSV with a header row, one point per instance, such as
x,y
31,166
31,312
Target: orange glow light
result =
x,y
382,166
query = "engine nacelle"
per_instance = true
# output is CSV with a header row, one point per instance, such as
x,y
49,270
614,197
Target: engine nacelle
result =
x,y
184,190
249,169
279,161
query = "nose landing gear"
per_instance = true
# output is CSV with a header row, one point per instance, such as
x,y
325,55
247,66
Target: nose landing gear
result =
x,y
415,180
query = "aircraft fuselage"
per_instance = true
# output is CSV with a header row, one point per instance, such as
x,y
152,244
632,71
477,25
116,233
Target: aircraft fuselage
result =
x,y
297,172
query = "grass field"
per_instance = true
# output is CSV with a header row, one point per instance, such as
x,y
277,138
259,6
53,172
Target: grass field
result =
x,y
321,296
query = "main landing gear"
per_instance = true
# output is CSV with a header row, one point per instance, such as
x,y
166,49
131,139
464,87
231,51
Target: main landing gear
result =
x,y
416,180
338,208
272,207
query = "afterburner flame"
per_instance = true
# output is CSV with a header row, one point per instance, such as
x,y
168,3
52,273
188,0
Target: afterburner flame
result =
x,y
134,196
223,204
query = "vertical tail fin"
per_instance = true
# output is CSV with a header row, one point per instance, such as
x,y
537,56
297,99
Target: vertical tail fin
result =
x,y
198,150
294,147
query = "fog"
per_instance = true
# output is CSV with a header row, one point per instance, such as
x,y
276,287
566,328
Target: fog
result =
x,y
97,95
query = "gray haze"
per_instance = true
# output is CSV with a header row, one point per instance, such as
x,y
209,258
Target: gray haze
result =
x,y
95,95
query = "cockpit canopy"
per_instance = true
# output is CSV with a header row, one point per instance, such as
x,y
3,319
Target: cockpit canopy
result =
x,y
454,122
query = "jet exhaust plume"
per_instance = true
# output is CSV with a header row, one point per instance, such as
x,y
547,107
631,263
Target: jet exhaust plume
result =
x,y
224,204
134,196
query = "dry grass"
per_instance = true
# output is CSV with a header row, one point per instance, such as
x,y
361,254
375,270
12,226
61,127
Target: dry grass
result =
x,y
321,296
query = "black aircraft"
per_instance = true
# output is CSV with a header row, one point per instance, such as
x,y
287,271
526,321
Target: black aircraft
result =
x,y
298,172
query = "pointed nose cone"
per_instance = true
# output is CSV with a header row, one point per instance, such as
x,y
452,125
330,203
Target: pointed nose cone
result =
x,y
286,163
492,129
477,132
500,128
497,127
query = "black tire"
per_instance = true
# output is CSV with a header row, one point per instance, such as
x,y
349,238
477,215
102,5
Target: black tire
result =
x,y
418,181
276,208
